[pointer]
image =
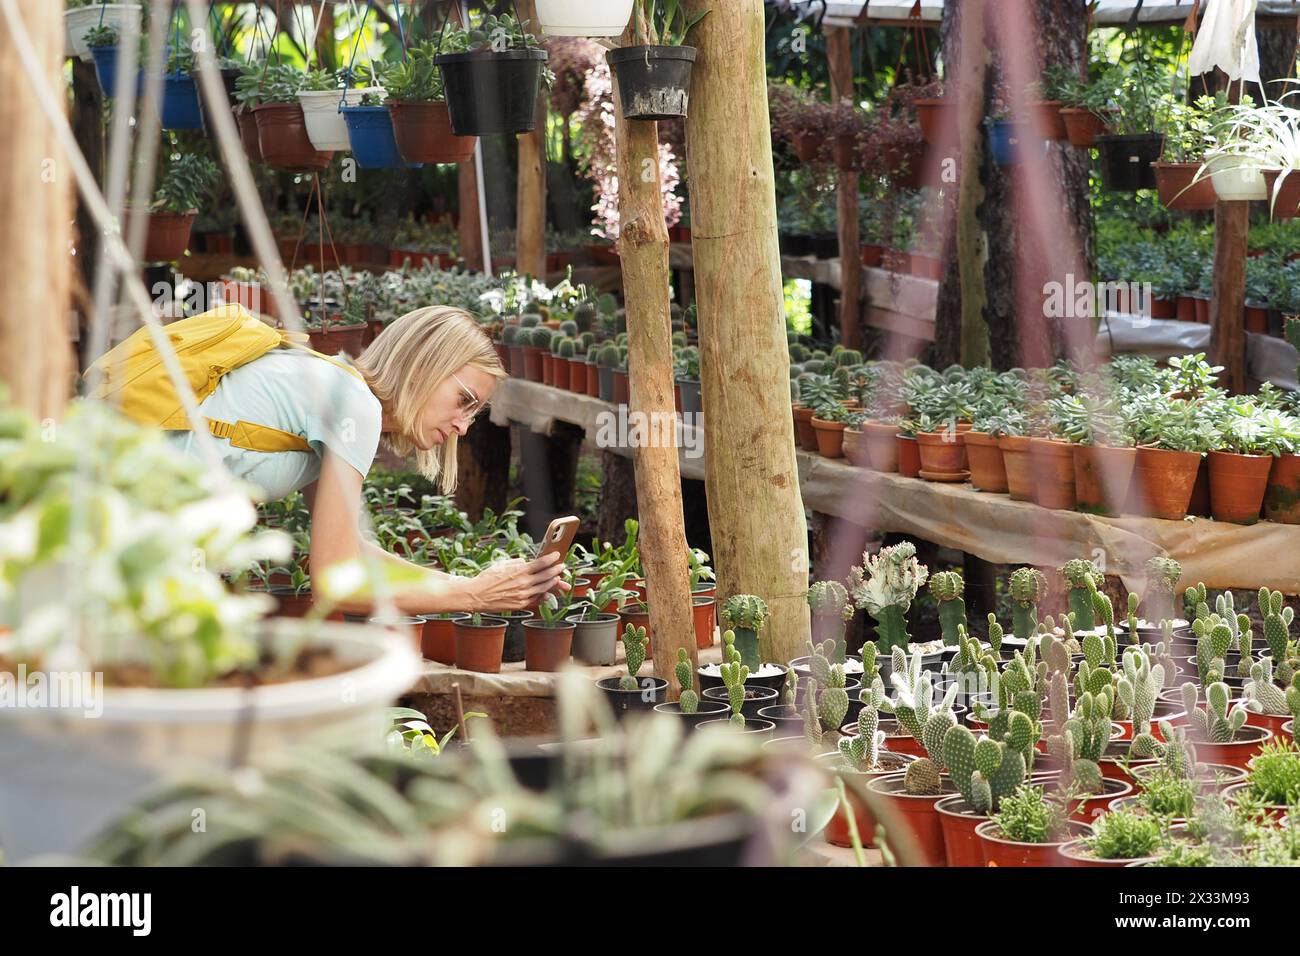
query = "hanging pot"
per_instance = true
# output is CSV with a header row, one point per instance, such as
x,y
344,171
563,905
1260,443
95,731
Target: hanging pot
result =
x,y
370,131
326,127
123,17
1237,178
1008,141
248,134
1047,121
654,82
1284,202
584,18
180,102
807,147
489,93
1082,127
423,133
168,236
282,137
105,58
844,150
938,121
206,109
1180,189
904,164
1126,160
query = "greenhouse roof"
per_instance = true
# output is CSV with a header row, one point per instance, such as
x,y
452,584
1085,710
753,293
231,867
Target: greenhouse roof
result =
x,y
1109,12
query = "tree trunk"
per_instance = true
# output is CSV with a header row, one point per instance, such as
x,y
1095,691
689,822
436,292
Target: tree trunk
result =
x,y
36,206
643,249
1277,49
840,59
1227,300
756,516
530,238
617,496
470,232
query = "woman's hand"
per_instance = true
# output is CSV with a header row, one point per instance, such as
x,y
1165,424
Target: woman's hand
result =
x,y
515,584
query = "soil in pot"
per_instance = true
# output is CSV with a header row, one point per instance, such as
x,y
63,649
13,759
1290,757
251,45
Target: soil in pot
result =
x,y
830,437
705,710
1101,477
649,691
923,831
909,457
654,82
1020,473
987,470
479,646
545,647
1237,486
513,651
490,93
1052,463
1165,479
756,698
837,832
422,132
438,636
997,850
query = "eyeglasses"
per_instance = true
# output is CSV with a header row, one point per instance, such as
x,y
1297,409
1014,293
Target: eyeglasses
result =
x,y
471,405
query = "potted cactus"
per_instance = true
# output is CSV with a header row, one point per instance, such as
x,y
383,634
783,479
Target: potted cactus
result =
x,y
831,610
885,590
983,772
1220,732
630,692
736,695
688,705
1163,575
946,588
745,615
595,635
1080,576
1028,586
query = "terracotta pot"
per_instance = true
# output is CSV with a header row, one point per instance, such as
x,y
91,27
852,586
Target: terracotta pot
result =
x,y
423,133
830,438
855,447
703,610
1165,480
988,472
593,381
168,236
1164,308
1274,723
1186,308
904,743
532,363
1237,753
909,457
960,845
1046,119
438,636
844,152
997,850
548,368
560,372
1020,472
578,376
904,164
882,446
1074,854
622,394
479,647
1052,465
248,135
1082,126
837,831
942,454
1177,191
547,648
804,432
1257,319
336,339
918,816
1237,486
1287,203
1282,494
1102,476
938,121
871,255
282,136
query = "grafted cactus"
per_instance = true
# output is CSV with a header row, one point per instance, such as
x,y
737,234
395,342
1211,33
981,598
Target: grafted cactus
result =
x,y
885,586
688,700
744,615
1214,722
1139,688
1163,575
1080,576
922,778
634,642
1213,638
831,609
734,675
947,587
986,771
1261,694
1028,586
1277,622
862,751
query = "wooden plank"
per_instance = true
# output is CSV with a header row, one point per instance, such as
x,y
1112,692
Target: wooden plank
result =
x,y
840,61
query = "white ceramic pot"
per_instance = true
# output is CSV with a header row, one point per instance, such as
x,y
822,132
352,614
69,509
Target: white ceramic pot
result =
x,y
1237,178
124,16
66,775
325,125
584,18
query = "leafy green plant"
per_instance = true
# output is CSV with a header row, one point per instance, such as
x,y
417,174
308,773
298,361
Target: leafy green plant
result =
x,y
1124,835
413,736
1164,794
416,78
1029,815
666,21
188,180
102,36
1274,774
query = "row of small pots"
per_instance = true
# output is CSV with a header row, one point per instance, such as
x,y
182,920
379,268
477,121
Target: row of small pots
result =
x,y
581,377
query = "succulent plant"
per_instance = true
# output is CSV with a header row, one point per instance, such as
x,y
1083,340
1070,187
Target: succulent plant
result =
x,y
1214,722
1131,619
914,704
1081,742
634,642
1162,584
832,701
1213,638
1139,688
829,601
1173,750
1080,577
986,771
922,778
947,587
1262,696
1028,587
862,751
734,675
689,701
995,635
745,615
1194,597
1277,622
885,586
972,658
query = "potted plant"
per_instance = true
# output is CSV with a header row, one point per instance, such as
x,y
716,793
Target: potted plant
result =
x,y
584,18
831,610
946,588
745,615
82,16
1087,104
1133,144
549,639
829,422
1258,138
188,180
1171,435
103,44
1027,830
911,797
1250,438
370,132
320,95
480,641
283,140
595,637
654,80
180,108
738,697
628,693
1102,452
1191,130
418,104
688,705
984,773
886,589
1118,838
1222,734
492,75
1273,781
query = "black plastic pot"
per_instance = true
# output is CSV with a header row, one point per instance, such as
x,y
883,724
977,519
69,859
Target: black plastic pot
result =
x,y
650,691
1126,160
514,646
490,93
654,82
756,698
794,244
786,718
826,245
705,710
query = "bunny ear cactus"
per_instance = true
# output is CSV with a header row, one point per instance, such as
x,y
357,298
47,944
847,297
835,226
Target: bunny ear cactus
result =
x,y
689,701
1293,698
745,615
834,701
1213,638
1131,619
1028,587
946,588
1079,575
1277,622
870,669
831,609
922,778
1262,695
885,587
985,771
1195,599
1214,722
790,692
1162,584
1225,606
1139,688
634,642
862,752
995,635
1103,613
1056,655
734,674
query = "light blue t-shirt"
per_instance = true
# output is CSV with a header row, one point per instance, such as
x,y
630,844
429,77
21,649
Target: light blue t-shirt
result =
x,y
301,394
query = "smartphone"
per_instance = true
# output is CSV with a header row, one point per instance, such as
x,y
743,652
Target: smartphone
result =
x,y
559,537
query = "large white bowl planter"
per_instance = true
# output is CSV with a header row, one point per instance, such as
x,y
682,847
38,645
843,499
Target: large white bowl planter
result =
x,y
125,17
584,18
1236,178
325,125
66,775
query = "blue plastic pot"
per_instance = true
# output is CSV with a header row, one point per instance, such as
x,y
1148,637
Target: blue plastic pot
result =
x,y
1005,142
370,131
106,68
180,102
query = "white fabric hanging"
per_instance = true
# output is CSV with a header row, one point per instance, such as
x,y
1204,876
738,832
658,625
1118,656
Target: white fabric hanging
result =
x,y
1226,39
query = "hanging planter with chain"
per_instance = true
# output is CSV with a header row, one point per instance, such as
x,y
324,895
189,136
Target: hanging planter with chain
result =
x,y
654,80
492,76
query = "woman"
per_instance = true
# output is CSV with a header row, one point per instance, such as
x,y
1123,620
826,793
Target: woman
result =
x,y
418,387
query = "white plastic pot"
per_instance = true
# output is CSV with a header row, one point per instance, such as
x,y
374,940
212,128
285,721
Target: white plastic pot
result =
x,y
1237,178
67,775
584,18
325,126
124,16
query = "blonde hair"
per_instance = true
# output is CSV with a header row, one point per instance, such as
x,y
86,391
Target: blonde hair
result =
x,y
410,358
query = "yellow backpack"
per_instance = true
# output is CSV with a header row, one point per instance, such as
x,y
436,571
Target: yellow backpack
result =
x,y
207,346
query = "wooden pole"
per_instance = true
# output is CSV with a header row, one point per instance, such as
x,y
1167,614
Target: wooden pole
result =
x,y
643,249
760,534
36,207
471,235
840,60
530,236
87,117
1228,296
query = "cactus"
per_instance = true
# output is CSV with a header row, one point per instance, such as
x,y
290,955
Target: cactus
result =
x,y
1176,754
745,615
870,669
1055,654
972,659
947,587
914,705
831,606
995,635
985,771
1162,584
833,702
812,722
1214,722
1131,620
1104,613
885,586
1139,688
734,675
1080,576
1277,623
1225,606
922,778
1194,598
608,356
688,700
863,751
634,642
1213,638
1262,695
790,692
567,348
1028,587
1082,741
1293,698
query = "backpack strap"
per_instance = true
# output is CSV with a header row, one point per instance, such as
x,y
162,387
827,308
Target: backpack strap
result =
x,y
253,437
297,342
